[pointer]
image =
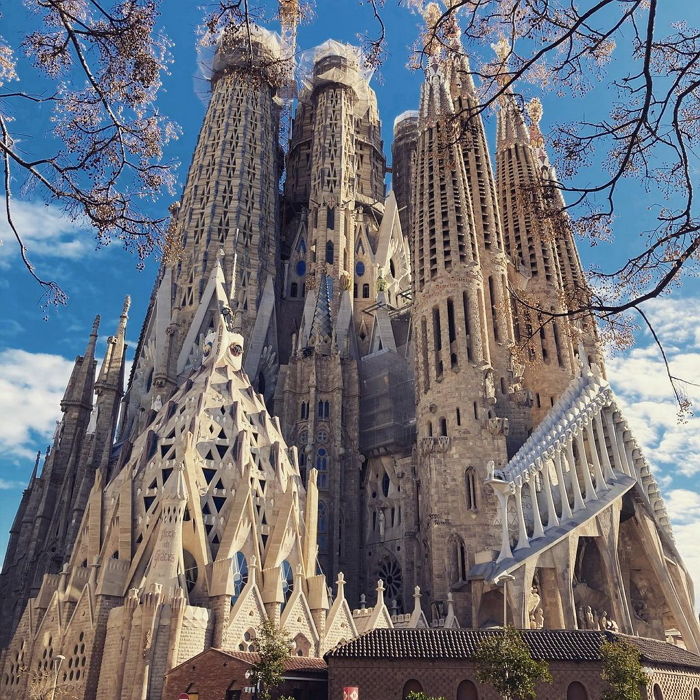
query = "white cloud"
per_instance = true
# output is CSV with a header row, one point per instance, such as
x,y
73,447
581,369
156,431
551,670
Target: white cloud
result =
x,y
684,508
46,231
642,386
31,389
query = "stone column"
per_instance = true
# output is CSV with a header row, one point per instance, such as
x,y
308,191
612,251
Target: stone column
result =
x,y
502,491
537,530
600,432
599,478
565,507
575,486
591,494
552,519
523,542
617,459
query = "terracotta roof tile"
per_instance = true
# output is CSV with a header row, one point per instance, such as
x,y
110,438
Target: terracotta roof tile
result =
x,y
551,645
293,663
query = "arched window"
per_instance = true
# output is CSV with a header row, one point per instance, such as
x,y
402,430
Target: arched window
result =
x,y
302,464
443,427
293,290
467,691
365,291
287,580
322,466
386,483
576,691
470,485
696,693
658,695
302,646
412,686
191,570
304,410
239,574
330,218
329,252
322,527
324,409
459,560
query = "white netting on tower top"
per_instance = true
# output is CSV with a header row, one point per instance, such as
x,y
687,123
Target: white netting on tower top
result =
x,y
333,62
254,49
409,114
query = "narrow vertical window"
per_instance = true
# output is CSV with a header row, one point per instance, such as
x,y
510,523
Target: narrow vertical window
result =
x,y
494,310
452,332
467,326
437,340
424,343
470,485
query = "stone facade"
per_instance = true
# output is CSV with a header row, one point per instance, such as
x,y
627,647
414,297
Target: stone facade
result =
x,y
335,382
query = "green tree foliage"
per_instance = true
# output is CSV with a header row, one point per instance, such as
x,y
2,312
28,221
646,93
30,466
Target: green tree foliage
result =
x,y
274,647
504,661
622,670
413,695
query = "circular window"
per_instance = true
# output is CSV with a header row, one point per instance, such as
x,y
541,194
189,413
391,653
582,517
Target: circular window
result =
x,y
389,571
301,268
322,435
359,268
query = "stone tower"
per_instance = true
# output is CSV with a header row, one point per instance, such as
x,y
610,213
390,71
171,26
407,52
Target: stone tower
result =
x,y
334,200
227,215
458,433
403,150
546,344
52,506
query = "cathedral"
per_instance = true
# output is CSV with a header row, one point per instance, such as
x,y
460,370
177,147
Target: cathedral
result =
x,y
349,408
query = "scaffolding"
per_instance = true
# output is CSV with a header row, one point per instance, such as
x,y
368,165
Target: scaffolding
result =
x,y
387,403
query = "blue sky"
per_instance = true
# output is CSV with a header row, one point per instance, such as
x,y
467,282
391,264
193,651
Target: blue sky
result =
x,y
36,354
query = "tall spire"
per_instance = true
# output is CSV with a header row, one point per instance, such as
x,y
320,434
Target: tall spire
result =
x,y
112,371
81,383
530,238
489,233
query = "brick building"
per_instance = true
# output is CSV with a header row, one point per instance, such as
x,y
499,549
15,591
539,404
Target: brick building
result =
x,y
387,664
221,675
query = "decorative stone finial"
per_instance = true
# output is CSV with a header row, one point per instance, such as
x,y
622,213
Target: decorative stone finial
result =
x,y
534,110
502,49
